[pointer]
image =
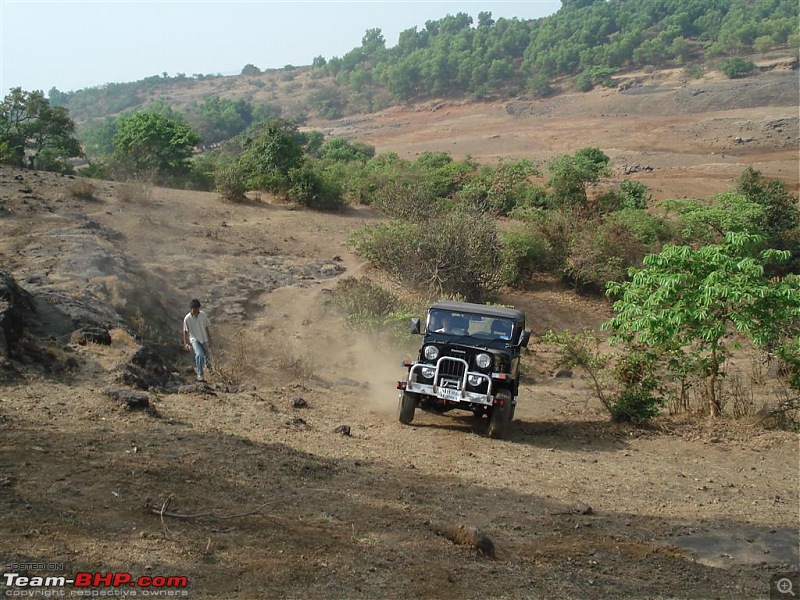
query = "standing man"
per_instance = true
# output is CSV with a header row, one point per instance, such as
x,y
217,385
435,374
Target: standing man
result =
x,y
197,335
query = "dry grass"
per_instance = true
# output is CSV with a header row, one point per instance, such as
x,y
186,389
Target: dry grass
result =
x,y
82,190
293,361
231,355
135,191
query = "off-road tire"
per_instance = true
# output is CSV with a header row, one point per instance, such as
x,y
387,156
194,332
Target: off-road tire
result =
x,y
501,416
406,406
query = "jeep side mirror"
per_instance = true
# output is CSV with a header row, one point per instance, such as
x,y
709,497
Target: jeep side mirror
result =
x,y
525,338
415,326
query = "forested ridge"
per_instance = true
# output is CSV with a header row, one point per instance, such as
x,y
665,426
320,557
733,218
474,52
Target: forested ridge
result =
x,y
585,42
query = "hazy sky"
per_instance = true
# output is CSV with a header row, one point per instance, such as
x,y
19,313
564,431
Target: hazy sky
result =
x,y
75,44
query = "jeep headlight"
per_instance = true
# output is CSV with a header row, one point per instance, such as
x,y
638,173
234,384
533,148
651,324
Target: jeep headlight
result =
x,y
428,372
431,352
474,380
483,361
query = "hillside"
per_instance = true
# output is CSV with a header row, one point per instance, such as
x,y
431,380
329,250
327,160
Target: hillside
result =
x,y
247,486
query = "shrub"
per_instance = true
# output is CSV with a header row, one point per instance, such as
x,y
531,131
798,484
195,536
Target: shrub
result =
x,y
636,401
310,188
458,255
737,67
635,406
409,201
608,247
83,190
524,252
231,183
634,194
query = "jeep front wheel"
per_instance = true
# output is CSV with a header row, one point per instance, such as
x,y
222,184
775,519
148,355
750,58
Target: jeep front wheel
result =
x,y
501,415
406,407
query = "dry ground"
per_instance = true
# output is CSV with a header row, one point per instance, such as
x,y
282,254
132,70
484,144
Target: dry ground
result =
x,y
285,507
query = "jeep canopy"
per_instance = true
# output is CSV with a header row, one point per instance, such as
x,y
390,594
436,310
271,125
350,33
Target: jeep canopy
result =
x,y
482,309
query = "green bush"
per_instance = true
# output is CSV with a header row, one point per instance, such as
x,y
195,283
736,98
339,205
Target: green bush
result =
x,y
524,252
634,194
309,187
634,406
636,401
737,67
410,201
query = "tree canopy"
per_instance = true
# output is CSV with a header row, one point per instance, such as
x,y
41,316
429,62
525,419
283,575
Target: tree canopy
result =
x,y
152,145
31,128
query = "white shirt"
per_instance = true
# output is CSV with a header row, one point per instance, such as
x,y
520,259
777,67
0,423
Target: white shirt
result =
x,y
196,326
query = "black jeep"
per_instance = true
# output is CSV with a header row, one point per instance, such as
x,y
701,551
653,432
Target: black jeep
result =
x,y
469,360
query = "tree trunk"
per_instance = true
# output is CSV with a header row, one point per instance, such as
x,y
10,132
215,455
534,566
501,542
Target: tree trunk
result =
x,y
713,401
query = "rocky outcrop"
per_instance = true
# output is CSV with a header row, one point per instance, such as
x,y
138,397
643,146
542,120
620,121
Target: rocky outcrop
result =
x,y
16,309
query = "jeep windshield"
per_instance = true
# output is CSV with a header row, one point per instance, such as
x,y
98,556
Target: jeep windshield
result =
x,y
461,324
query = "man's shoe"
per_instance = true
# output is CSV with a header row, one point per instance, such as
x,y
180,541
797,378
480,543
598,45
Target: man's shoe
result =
x,y
201,380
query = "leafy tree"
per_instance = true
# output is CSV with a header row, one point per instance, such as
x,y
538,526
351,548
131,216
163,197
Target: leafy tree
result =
x,y
29,125
781,211
98,137
684,301
272,149
149,144
570,175
707,221
250,69
604,248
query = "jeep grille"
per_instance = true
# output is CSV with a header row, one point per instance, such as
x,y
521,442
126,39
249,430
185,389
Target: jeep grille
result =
x,y
452,367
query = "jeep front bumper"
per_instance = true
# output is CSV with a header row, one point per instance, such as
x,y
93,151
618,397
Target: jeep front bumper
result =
x,y
451,382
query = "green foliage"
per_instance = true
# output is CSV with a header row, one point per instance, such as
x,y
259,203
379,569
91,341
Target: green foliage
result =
x,y
571,174
217,118
457,254
636,401
539,86
309,187
634,194
597,75
525,251
250,69
605,248
498,190
707,221
684,300
737,67
550,233
582,349
271,149
781,211
409,201
152,146
340,149
97,137
30,126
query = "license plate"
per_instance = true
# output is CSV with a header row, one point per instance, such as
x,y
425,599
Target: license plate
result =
x,y
449,394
